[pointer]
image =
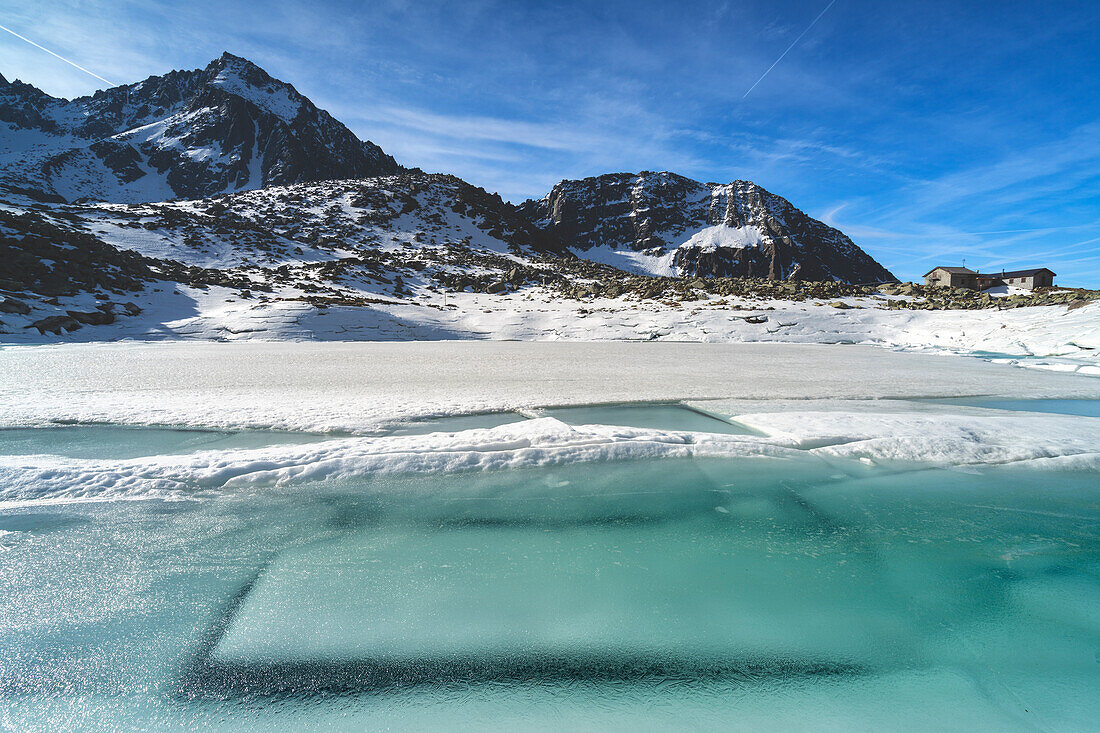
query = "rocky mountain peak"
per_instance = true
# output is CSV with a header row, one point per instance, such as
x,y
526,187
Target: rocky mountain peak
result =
x,y
664,223
227,60
186,134
240,77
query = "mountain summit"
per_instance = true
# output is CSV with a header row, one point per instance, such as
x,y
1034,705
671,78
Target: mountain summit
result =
x,y
666,224
188,134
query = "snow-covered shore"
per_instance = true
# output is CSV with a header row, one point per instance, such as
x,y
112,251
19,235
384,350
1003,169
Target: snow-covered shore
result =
x,y
1045,337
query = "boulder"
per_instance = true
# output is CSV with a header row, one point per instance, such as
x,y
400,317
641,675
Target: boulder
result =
x,y
92,318
55,324
11,305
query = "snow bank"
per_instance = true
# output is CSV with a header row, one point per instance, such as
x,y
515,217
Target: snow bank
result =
x,y
544,441
1040,441
1046,337
938,437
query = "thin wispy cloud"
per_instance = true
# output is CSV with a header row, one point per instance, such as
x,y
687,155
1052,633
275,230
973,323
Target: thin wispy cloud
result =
x,y
830,217
1021,190
552,136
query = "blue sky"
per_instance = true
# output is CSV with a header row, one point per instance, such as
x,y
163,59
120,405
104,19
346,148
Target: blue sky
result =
x,y
927,131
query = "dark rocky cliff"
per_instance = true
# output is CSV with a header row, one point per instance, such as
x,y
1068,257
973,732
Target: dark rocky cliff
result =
x,y
684,227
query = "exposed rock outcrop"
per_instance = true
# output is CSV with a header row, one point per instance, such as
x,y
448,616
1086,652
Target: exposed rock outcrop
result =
x,y
663,223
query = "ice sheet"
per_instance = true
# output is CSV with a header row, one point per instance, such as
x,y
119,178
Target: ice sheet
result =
x,y
543,441
362,387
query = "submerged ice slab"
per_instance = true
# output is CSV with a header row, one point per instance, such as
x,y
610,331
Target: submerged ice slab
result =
x,y
530,601
725,571
781,594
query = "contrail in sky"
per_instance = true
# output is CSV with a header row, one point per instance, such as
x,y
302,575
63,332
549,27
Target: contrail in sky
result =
x,y
811,25
70,63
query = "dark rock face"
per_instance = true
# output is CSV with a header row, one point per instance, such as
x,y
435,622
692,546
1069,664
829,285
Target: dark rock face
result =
x,y
696,229
55,324
42,257
187,134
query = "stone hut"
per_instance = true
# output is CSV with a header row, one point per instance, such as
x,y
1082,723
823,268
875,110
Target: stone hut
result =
x,y
961,277
955,277
1039,277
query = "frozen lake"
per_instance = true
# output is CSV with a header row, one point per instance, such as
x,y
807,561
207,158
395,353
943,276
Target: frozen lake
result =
x,y
711,594
826,538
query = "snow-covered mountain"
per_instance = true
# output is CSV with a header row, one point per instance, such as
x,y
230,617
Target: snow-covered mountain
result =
x,y
187,134
411,210
223,196
666,224
407,256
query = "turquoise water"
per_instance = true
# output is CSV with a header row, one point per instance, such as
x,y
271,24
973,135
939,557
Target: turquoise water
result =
x,y
758,594
1086,408
122,442
119,442
455,423
657,417
653,416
